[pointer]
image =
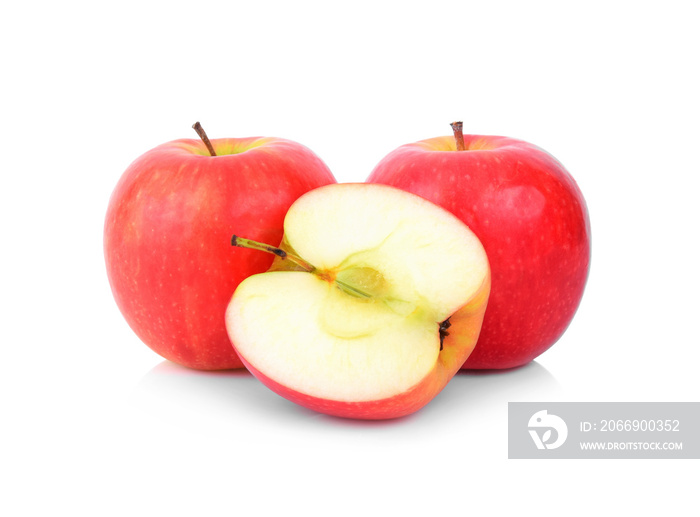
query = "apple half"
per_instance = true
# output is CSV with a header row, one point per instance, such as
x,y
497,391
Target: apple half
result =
x,y
373,303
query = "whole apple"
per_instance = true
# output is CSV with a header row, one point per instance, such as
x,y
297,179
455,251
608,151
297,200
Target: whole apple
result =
x,y
167,236
532,219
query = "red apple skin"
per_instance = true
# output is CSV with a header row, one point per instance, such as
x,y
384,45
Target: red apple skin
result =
x,y
463,333
532,219
167,237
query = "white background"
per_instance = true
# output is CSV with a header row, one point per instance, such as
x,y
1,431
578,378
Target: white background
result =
x,y
94,423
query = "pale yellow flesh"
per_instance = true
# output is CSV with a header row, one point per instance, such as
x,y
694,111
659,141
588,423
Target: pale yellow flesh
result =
x,y
308,335
419,263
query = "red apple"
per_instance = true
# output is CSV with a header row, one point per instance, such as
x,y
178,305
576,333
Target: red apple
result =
x,y
532,219
168,230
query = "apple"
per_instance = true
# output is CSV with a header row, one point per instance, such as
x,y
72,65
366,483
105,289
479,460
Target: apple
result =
x,y
167,232
374,301
532,219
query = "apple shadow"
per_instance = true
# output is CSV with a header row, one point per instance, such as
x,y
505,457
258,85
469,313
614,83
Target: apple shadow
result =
x,y
183,396
197,399
476,391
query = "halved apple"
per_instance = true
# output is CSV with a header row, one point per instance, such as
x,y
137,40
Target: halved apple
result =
x,y
373,303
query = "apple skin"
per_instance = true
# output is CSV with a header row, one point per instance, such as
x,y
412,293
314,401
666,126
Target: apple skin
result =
x,y
167,236
463,334
532,219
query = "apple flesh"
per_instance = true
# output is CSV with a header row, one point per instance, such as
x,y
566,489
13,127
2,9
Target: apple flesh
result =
x,y
373,303
532,219
167,232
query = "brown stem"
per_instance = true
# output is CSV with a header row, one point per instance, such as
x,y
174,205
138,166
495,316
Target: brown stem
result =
x,y
459,137
254,245
200,131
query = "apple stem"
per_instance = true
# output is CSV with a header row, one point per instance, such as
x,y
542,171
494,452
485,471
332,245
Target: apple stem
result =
x,y
203,135
254,245
459,137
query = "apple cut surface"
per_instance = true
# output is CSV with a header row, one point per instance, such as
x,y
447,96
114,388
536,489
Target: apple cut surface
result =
x,y
350,350
357,333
